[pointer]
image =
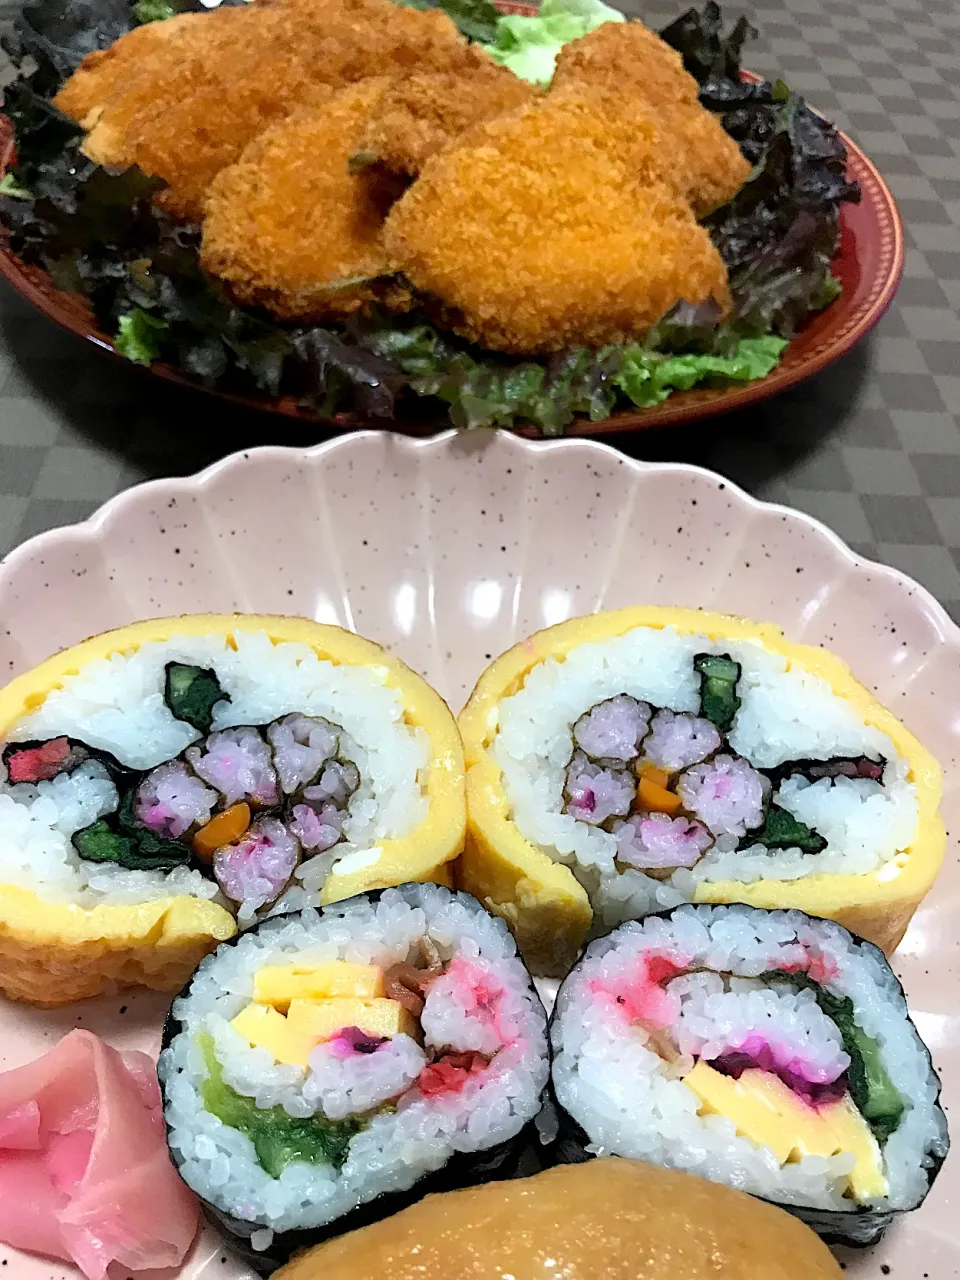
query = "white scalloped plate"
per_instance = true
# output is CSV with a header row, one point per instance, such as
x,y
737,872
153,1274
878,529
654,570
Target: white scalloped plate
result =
x,y
450,549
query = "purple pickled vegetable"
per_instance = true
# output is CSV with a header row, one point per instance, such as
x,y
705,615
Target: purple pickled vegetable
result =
x,y
677,741
727,795
818,1092
171,799
255,871
658,841
613,730
239,764
317,831
595,794
301,747
336,784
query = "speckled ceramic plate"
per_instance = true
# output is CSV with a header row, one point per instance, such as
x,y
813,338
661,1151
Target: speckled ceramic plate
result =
x,y
448,551
869,264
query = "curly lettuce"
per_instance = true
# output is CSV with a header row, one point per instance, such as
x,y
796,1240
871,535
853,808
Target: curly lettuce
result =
x,y
528,46
96,232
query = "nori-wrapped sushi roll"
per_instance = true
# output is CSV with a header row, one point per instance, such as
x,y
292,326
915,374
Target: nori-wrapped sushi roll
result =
x,y
767,1050
329,1067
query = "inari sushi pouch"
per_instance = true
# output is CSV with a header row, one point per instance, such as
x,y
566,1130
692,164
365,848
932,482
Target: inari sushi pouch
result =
x,y
168,782
626,763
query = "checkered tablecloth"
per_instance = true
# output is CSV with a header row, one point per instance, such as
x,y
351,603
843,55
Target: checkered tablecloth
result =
x,y
870,446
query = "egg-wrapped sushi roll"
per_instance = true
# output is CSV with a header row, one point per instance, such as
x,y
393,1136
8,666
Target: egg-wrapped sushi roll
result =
x,y
166,782
631,761
767,1050
327,1063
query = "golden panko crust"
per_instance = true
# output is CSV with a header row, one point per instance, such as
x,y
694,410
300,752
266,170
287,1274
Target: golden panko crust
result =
x,y
191,104
553,226
423,114
289,225
102,73
628,58
647,75
708,166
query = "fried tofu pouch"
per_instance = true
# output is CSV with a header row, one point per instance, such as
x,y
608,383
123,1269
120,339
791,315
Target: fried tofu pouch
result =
x,y
553,226
547,908
705,163
185,107
290,227
423,114
606,1219
52,954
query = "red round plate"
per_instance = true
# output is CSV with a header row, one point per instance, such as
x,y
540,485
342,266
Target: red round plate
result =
x,y
869,265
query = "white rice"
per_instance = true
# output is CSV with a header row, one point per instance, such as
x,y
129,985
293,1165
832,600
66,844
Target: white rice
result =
x,y
116,704
396,1149
787,713
611,1080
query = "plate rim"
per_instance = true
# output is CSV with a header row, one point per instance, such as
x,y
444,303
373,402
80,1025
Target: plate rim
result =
x,y
114,508
681,408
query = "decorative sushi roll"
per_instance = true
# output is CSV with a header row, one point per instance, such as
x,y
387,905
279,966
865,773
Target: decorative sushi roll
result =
x,y
626,763
767,1050
325,1063
165,783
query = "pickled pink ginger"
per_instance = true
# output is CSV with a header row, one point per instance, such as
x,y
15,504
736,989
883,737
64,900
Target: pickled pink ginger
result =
x,y
84,1170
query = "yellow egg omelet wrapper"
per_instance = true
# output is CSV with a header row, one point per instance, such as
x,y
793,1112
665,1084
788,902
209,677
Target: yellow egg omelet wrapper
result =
x,y
548,909
55,953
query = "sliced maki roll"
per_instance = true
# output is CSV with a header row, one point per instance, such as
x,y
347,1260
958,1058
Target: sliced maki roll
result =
x,y
766,1050
165,784
625,763
329,1062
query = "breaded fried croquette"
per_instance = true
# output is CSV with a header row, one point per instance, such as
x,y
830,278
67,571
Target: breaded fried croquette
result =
x,y
552,227
105,71
289,225
422,114
708,166
630,57
190,107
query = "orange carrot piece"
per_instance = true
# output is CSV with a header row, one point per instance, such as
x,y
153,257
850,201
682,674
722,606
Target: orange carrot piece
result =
x,y
659,777
225,828
656,799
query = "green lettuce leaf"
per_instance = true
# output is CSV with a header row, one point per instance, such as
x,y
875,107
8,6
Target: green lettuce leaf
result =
x,y
647,377
138,336
528,46
484,390
13,189
145,11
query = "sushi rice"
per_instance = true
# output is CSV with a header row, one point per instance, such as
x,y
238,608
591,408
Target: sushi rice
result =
x,y
621,1055
786,713
397,1147
116,704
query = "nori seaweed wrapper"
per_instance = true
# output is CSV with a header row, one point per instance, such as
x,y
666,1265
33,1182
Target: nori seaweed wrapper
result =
x,y
859,1227
463,1169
